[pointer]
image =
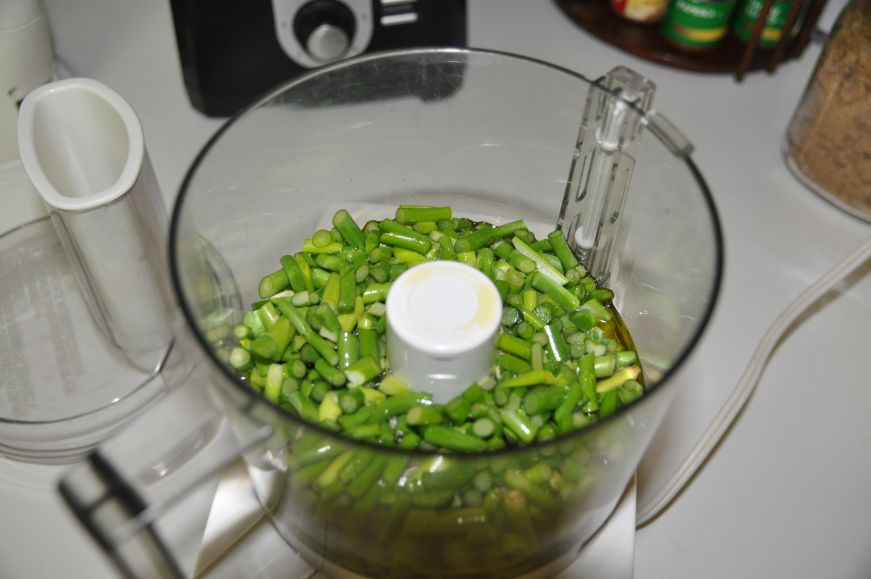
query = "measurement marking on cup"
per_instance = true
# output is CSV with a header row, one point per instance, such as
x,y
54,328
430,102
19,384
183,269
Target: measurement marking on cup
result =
x,y
44,285
16,376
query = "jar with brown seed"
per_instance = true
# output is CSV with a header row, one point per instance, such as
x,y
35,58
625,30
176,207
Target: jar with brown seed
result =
x,y
828,141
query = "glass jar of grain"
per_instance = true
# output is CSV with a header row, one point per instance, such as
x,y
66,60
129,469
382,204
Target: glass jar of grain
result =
x,y
828,142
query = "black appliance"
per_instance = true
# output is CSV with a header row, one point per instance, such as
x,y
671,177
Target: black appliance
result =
x,y
233,51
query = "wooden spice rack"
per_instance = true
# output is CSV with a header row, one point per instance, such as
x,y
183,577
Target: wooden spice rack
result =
x,y
732,56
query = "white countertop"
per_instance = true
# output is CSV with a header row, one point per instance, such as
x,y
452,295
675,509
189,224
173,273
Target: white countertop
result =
x,y
785,493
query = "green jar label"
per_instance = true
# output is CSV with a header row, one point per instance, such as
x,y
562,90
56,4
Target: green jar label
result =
x,y
697,23
774,24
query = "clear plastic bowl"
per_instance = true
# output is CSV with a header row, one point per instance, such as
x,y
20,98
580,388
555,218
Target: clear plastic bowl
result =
x,y
494,136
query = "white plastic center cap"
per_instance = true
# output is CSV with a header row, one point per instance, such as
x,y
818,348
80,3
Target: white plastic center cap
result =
x,y
442,318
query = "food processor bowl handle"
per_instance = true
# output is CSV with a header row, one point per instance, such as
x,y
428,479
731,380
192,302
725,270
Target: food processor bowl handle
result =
x,y
602,166
145,495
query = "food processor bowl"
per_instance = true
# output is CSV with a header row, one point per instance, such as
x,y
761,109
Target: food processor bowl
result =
x,y
493,136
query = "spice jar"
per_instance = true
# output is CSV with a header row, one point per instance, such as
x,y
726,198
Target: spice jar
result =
x,y
775,23
645,11
828,142
697,25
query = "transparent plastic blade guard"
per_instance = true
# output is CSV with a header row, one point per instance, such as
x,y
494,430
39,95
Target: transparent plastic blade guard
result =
x,y
602,166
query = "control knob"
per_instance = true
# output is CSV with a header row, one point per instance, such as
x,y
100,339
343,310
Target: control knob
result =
x,y
324,28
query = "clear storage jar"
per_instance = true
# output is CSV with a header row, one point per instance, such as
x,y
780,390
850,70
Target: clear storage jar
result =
x,y
828,142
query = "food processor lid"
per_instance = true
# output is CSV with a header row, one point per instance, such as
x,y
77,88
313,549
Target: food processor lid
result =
x,y
65,387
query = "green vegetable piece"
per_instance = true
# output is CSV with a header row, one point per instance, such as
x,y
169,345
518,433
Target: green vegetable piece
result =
x,y
396,235
602,295
424,416
630,391
362,371
347,290
554,260
348,228
399,404
351,399
483,237
296,317
331,473
395,270
523,263
534,493
273,283
281,333
510,316
457,410
409,440
267,314
518,423
367,477
361,416
293,273
531,378
584,320
332,290
329,262
514,345
305,269
418,213
322,238
319,390
240,359
545,313
264,348
451,439
274,379
332,375
408,256
324,348
329,410
562,416
539,400
625,358
533,320
309,246
617,380
425,227
376,292
303,406
483,428
369,344
596,309
473,394
557,348
446,248
609,405
512,363
541,246
392,385
542,264
348,349
605,365
319,277
561,249
503,288
467,257
529,300
566,299
485,262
